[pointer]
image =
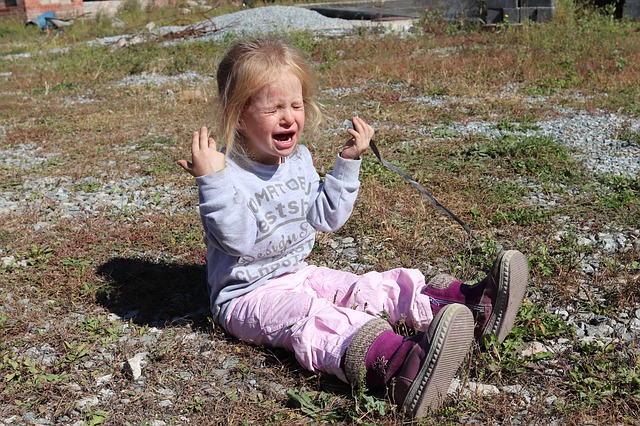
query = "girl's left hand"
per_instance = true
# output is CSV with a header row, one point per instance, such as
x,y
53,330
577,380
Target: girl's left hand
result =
x,y
361,136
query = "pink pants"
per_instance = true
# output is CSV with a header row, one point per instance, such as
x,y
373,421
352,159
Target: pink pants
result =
x,y
316,311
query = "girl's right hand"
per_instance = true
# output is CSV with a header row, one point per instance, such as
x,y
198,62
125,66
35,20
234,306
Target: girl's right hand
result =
x,y
205,158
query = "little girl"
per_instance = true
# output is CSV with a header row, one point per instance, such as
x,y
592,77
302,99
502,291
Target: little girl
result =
x,y
261,203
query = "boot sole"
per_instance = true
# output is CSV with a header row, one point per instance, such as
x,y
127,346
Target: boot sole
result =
x,y
512,286
450,342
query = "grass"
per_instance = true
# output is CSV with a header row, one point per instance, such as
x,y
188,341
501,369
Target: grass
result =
x,y
66,116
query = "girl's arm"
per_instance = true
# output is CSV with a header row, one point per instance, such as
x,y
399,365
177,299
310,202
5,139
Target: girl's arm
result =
x,y
227,222
337,194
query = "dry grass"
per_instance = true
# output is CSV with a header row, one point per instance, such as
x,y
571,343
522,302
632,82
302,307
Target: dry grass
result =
x,y
69,111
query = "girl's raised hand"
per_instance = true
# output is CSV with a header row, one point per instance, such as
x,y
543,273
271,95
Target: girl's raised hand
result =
x,y
361,136
205,158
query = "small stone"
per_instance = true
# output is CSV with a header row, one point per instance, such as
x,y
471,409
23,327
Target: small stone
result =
x,y
104,379
230,362
472,389
168,393
133,366
518,390
165,403
89,401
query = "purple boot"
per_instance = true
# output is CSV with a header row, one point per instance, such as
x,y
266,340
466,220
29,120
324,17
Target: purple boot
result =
x,y
418,370
494,301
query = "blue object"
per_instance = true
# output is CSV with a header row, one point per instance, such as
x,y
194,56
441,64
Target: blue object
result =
x,y
42,21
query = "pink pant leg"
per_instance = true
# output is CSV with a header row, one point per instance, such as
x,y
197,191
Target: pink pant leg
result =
x,y
397,292
316,311
287,313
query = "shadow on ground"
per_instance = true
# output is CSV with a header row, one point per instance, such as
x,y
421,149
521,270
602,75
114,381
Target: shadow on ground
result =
x,y
162,295
155,294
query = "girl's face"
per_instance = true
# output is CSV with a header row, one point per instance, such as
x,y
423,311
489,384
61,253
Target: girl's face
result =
x,y
274,119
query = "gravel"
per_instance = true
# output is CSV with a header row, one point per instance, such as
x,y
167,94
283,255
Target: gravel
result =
x,y
259,21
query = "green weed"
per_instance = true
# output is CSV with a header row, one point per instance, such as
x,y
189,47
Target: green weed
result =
x,y
632,137
75,352
535,156
313,405
600,372
23,370
197,405
94,418
78,266
88,185
523,124
39,255
98,327
620,198
533,324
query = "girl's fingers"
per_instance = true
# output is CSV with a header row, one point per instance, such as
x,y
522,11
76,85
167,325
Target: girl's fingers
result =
x,y
195,141
187,165
204,138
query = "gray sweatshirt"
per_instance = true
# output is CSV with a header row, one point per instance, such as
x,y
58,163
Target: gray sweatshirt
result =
x,y
260,220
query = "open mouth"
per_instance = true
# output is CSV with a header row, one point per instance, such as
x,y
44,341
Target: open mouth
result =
x,y
284,140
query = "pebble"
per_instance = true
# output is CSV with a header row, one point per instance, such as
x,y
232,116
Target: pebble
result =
x,y
88,401
133,366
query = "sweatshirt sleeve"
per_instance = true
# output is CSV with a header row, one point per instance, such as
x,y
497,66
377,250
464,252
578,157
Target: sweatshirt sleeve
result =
x,y
336,196
228,222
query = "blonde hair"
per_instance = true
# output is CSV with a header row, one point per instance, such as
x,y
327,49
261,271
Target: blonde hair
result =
x,y
246,69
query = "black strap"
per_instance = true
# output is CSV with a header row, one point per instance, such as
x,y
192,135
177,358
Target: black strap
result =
x,y
419,187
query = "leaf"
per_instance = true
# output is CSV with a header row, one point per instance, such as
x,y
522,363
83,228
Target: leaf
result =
x,y
303,402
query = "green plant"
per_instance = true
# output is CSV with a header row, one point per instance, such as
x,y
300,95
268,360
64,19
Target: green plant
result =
x,y
313,404
88,185
620,198
197,405
39,255
541,261
75,352
432,22
523,124
94,418
24,370
4,321
599,372
631,137
532,324
78,266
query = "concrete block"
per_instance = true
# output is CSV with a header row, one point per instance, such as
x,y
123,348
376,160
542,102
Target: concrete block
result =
x,y
460,9
494,16
631,10
511,15
544,14
501,4
536,14
539,3
528,14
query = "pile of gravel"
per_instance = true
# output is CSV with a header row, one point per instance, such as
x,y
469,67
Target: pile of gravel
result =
x,y
259,21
